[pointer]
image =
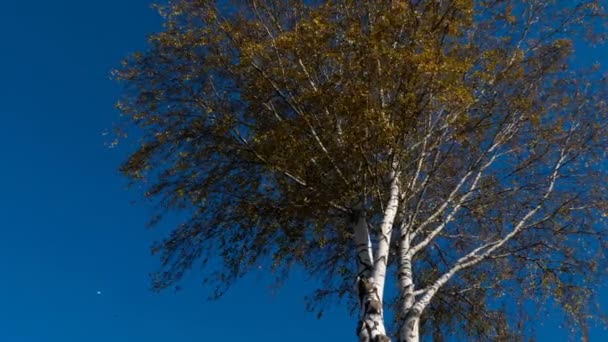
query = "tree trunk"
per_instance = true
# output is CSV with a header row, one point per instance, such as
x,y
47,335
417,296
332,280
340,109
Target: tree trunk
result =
x,y
371,321
410,330
371,324
370,282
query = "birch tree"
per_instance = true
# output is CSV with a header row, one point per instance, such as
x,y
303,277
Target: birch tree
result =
x,y
443,160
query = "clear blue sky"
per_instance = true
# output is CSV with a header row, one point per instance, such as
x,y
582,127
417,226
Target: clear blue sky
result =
x,y
68,227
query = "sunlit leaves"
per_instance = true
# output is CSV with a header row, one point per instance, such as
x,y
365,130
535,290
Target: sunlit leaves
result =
x,y
268,121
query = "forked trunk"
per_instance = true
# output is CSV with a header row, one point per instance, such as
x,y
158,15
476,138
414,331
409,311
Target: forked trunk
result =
x,y
372,269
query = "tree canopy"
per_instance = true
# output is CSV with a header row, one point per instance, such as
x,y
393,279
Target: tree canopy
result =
x,y
456,146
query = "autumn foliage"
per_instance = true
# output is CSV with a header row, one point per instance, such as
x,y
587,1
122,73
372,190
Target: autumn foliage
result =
x,y
281,125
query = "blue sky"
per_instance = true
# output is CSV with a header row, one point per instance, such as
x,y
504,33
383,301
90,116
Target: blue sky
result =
x,y
68,225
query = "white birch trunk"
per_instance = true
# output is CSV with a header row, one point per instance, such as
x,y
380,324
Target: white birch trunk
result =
x,y
371,325
363,245
371,322
409,329
386,230
370,284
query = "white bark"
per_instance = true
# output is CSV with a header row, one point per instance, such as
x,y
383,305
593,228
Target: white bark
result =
x,y
409,331
412,309
372,276
371,325
451,200
371,322
386,229
364,246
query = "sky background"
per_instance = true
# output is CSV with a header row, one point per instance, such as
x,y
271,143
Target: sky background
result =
x,y
74,250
